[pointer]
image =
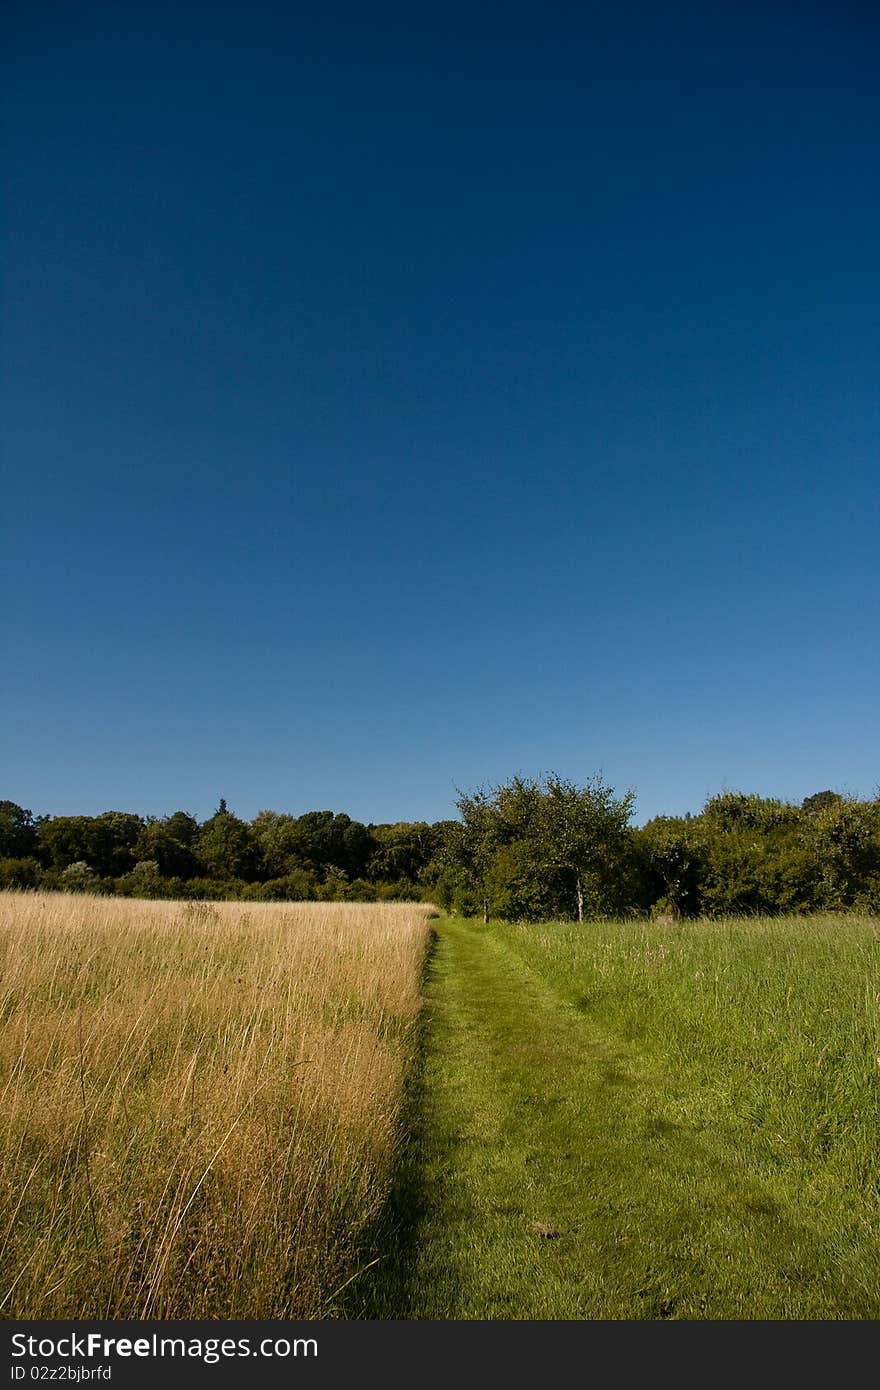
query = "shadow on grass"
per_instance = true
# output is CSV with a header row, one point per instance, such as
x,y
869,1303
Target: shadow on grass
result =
x,y
383,1289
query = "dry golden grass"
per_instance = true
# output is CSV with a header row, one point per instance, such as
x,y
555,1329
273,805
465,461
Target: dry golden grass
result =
x,y
199,1103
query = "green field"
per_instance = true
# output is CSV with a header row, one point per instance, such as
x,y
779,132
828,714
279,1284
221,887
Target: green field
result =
x,y
641,1120
361,1111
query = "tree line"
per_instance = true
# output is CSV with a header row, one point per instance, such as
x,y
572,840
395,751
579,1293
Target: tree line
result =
x,y
529,849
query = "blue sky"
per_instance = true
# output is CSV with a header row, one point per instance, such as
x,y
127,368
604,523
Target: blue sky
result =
x,y
399,397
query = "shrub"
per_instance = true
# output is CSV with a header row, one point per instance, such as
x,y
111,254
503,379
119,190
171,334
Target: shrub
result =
x,y
19,873
79,877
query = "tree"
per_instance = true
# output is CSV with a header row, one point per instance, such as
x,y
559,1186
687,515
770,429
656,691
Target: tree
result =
x,y
518,886
19,873
530,849
104,842
844,841
525,849
183,827
276,839
746,811
585,835
111,838
147,881
66,840
403,851
352,845
157,843
322,841
670,855
821,801
472,846
751,854
18,832
226,848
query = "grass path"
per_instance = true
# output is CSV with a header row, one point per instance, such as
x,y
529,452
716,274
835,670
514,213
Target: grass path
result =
x,y
557,1170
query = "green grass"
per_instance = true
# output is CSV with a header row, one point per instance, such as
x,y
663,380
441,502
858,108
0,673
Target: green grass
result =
x,y
636,1120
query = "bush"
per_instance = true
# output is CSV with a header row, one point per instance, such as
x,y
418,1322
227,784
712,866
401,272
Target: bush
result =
x,y
80,877
362,891
403,891
664,907
19,873
296,887
145,881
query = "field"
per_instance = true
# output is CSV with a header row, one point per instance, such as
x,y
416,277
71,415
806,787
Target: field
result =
x,y
203,1107
644,1120
200,1103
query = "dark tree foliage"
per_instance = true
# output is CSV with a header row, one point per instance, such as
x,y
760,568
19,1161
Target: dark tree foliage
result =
x,y
277,845
670,857
183,827
751,854
404,850
169,844
530,850
527,849
821,801
226,848
18,832
111,840
64,840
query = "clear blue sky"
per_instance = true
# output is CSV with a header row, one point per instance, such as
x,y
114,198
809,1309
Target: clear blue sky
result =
x,y
399,397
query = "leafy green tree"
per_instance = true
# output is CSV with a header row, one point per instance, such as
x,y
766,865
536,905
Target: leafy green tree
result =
x,y
275,836
226,848
183,827
471,847
352,846
821,801
335,886
523,849
670,854
314,839
319,841
518,885
104,842
66,840
750,848
518,806
336,843
584,834
18,832
111,838
403,851
743,811
565,847
844,840
157,843
297,886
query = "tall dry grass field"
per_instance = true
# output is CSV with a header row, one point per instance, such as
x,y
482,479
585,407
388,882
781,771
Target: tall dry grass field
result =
x,y
200,1102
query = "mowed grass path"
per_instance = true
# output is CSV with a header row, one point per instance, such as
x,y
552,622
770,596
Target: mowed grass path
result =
x,y
637,1121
